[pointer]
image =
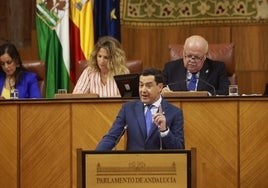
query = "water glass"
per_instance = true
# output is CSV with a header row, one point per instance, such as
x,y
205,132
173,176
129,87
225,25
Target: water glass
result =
x,y
14,94
233,90
62,91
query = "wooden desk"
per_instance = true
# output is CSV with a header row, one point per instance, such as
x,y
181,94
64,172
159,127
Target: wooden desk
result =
x,y
39,138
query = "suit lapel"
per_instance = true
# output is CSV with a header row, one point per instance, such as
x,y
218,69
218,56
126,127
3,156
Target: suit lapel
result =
x,y
183,85
203,75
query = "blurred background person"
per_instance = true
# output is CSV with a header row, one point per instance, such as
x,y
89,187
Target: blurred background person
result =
x,y
106,60
196,72
13,76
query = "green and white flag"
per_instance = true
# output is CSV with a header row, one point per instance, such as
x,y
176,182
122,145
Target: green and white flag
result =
x,y
52,27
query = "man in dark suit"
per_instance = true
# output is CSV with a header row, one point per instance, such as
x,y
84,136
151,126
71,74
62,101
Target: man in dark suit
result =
x,y
165,131
207,75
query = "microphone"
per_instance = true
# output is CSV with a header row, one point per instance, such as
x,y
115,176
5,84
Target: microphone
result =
x,y
121,134
205,82
176,83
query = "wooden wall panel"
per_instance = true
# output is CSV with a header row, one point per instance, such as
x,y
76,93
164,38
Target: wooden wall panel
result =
x,y
251,47
89,130
216,142
45,134
97,118
30,52
254,144
249,81
16,19
4,20
9,146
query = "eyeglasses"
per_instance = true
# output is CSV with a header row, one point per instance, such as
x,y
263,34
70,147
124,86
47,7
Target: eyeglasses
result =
x,y
7,62
195,58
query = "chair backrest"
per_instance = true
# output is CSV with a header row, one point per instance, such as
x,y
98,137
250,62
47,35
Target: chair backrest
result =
x,y
39,68
220,52
134,66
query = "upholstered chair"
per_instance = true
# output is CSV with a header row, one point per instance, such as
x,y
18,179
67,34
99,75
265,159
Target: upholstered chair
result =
x,y
39,68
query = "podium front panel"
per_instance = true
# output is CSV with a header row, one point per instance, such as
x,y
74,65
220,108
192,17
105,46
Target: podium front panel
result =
x,y
121,169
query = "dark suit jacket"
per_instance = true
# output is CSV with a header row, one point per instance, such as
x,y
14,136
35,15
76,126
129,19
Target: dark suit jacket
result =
x,y
28,85
212,72
132,115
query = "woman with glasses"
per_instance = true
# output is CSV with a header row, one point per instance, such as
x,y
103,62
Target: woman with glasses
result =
x,y
196,72
15,81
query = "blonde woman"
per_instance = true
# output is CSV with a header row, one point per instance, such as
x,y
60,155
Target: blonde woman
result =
x,y
106,60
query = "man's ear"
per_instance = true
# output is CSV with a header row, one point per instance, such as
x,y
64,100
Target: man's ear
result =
x,y
160,85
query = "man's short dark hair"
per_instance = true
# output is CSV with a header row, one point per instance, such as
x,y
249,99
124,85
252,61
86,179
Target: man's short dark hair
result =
x,y
158,77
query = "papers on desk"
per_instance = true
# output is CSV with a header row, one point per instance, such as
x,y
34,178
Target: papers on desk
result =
x,y
253,94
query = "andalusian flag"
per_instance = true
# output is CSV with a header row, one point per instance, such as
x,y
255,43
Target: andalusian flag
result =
x,y
52,26
81,32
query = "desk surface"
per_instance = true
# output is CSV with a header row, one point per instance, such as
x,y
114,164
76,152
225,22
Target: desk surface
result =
x,y
116,99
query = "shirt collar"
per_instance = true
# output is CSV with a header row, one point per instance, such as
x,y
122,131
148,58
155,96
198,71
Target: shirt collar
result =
x,y
157,103
189,75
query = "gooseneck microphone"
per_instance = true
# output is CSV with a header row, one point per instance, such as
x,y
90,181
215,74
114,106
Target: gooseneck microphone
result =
x,y
205,82
121,134
176,83
199,79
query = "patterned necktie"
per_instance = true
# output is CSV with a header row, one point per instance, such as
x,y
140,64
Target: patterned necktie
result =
x,y
192,83
148,119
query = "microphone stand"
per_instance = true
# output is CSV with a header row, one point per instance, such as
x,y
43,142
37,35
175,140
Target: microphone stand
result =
x,y
160,137
118,139
207,83
160,141
176,83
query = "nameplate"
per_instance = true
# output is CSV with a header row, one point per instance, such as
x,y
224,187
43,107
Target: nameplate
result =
x,y
167,94
75,95
170,169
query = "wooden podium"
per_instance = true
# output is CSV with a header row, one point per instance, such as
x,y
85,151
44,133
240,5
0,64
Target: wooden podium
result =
x,y
143,169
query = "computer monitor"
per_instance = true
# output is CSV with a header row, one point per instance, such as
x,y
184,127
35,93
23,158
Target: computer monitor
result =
x,y
128,85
